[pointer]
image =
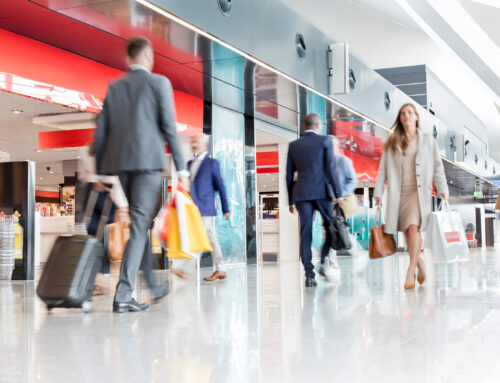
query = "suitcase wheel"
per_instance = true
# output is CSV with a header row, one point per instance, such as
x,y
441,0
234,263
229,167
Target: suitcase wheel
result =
x,y
87,306
49,307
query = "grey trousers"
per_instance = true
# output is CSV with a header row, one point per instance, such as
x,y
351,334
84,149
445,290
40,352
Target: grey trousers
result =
x,y
209,223
143,189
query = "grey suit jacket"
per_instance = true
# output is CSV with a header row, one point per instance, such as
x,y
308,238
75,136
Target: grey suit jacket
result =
x,y
137,118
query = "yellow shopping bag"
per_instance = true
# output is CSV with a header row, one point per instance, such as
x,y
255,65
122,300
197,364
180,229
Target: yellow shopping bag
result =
x,y
186,234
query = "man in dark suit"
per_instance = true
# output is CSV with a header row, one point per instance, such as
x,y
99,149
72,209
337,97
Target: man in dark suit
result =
x,y
205,181
137,118
315,188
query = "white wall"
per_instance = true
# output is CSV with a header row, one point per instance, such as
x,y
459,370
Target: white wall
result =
x,y
289,223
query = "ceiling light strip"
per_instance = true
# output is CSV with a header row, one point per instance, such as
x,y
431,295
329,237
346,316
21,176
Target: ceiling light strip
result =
x,y
253,59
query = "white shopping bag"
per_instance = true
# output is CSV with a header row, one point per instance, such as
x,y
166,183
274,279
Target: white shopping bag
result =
x,y
445,236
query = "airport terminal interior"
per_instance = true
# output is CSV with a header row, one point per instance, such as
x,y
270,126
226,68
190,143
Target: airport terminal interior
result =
x,y
244,75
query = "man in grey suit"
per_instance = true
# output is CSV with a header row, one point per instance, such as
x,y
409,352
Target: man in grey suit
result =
x,y
137,118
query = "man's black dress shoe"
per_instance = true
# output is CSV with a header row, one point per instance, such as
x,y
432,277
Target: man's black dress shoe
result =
x,y
159,292
132,305
310,282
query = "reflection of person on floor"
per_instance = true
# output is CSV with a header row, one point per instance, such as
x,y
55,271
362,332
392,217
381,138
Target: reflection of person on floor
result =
x,y
205,181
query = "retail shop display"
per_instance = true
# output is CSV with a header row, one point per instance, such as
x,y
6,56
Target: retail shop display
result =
x,y
381,244
18,239
7,249
445,236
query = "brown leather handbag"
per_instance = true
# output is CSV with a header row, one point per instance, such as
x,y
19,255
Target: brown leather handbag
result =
x,y
381,244
118,235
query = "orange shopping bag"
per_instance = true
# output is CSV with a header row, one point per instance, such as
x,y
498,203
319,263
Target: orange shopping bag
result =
x,y
180,227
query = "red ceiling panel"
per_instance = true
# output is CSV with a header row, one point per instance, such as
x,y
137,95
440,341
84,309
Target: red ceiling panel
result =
x,y
65,138
43,24
52,65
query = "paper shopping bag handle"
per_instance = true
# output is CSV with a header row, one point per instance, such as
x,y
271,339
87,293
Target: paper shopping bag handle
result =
x,y
444,205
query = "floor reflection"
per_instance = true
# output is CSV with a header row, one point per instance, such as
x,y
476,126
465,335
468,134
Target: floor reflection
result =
x,y
261,325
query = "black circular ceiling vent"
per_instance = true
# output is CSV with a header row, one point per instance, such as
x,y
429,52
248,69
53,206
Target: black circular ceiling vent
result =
x,y
225,6
300,46
387,101
352,80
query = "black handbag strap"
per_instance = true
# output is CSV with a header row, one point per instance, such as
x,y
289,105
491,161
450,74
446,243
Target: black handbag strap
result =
x,y
338,210
89,211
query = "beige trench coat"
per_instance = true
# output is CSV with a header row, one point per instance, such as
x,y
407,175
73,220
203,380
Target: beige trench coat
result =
x,y
429,170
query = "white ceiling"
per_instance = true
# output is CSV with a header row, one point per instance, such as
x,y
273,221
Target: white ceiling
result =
x,y
19,136
387,9
383,35
486,16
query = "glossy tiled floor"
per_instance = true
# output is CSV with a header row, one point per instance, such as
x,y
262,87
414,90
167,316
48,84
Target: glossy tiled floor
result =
x,y
260,325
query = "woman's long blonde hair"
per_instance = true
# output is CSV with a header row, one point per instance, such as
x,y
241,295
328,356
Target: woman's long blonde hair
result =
x,y
399,137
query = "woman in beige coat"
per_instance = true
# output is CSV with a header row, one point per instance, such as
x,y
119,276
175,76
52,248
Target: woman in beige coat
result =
x,y
410,164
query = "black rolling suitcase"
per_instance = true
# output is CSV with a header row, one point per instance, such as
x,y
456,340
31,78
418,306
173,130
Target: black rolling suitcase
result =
x,y
68,276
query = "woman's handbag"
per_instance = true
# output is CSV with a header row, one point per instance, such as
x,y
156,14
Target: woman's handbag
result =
x,y
381,244
339,230
118,235
350,205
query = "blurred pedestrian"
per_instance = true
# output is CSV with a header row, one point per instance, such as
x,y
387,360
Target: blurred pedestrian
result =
x,y
107,187
410,164
137,118
348,182
206,180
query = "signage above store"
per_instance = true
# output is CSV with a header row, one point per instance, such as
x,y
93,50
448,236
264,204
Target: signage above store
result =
x,y
50,93
50,74
59,139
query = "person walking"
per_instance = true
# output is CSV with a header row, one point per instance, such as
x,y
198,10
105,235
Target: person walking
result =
x,y
410,164
106,187
137,118
205,181
348,182
312,184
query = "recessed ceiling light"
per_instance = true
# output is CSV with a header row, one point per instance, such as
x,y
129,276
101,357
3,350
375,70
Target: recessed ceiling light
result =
x,y
41,178
51,172
38,151
16,111
77,157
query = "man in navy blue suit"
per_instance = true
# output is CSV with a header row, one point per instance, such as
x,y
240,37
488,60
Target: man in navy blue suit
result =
x,y
205,181
312,185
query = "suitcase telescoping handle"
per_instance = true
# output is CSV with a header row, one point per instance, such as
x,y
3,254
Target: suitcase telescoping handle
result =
x,y
89,210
